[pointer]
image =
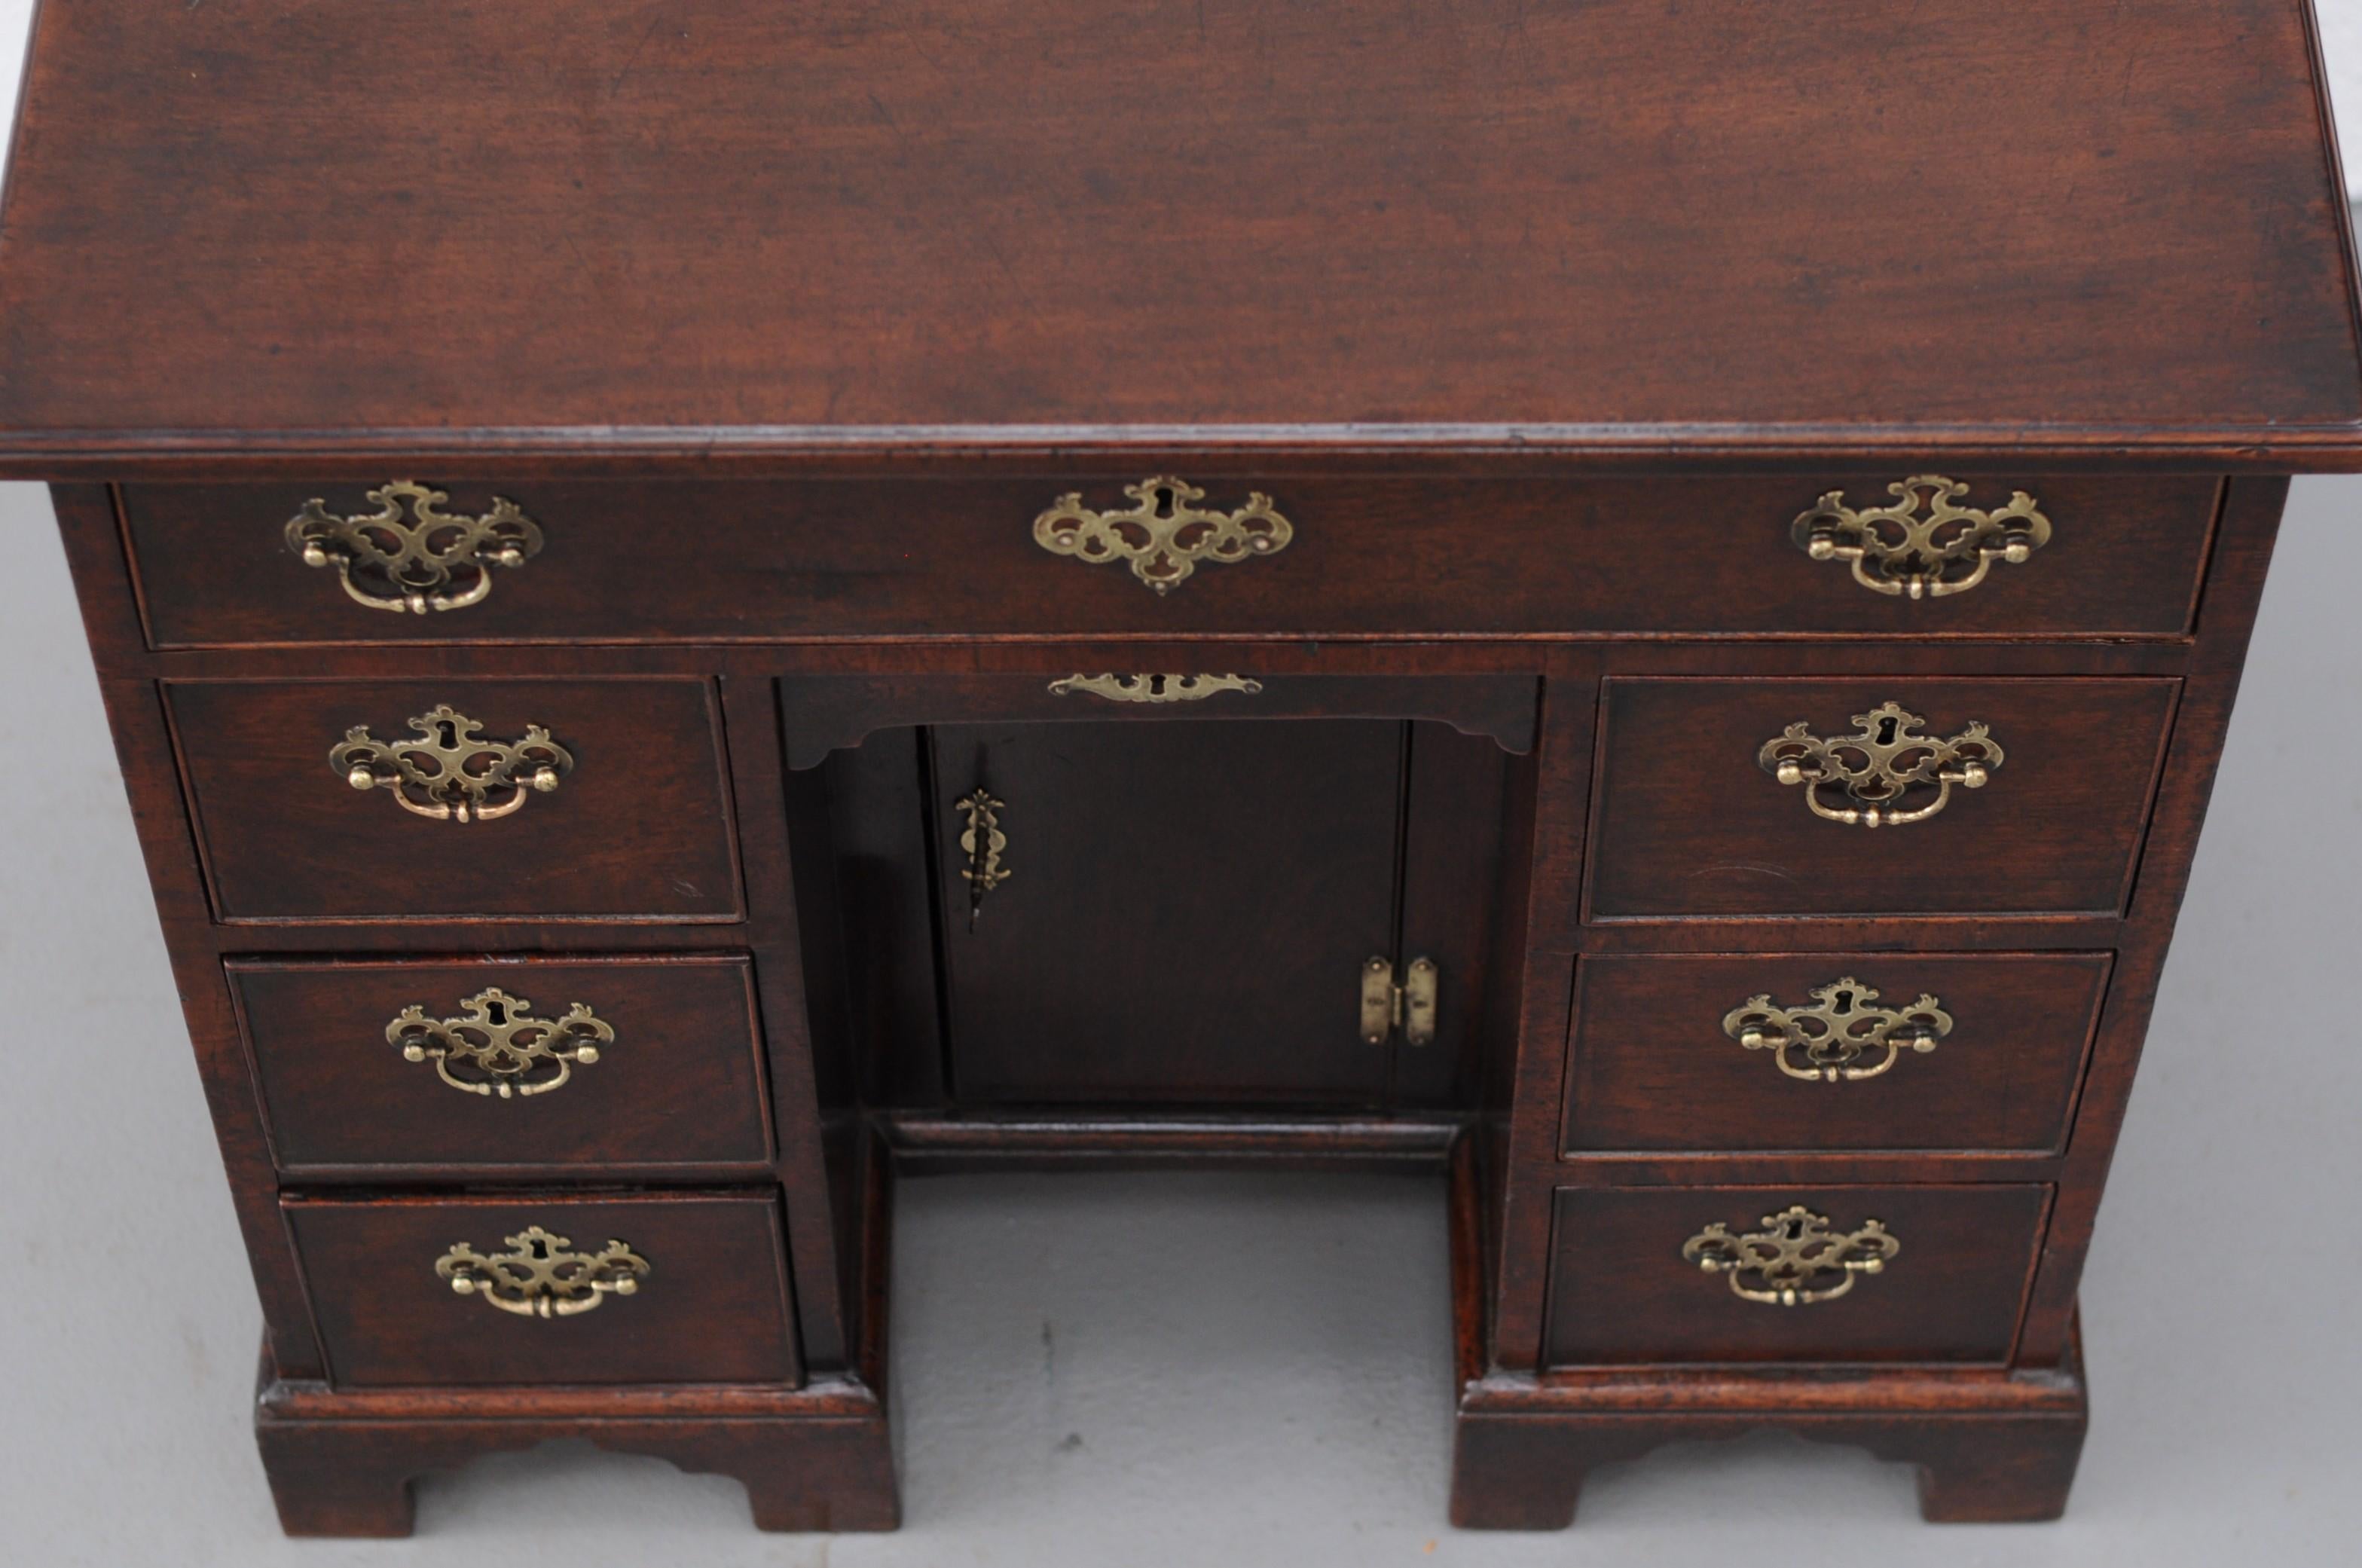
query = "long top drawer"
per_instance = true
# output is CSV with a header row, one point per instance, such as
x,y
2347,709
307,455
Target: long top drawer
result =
x,y
1859,554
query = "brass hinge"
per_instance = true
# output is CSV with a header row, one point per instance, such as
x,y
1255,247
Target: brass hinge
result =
x,y
1409,1006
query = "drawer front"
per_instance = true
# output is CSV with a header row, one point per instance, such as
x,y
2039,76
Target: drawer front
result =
x,y
600,1065
637,827
1382,557
1630,1281
700,1290
1693,818
1843,1051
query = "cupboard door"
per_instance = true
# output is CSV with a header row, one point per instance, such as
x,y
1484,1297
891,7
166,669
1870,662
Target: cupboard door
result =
x,y
1186,911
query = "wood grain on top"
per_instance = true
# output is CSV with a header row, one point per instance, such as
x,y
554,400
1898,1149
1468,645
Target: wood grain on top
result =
x,y
257,225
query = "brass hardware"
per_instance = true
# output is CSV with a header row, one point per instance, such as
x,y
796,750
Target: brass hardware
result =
x,y
500,1046
1795,1261
541,1277
983,841
1409,1006
1167,535
1883,768
1894,550
1155,687
1826,1042
406,555
451,771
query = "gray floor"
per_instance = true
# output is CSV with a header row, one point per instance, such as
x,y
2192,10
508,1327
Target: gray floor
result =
x,y
1141,1370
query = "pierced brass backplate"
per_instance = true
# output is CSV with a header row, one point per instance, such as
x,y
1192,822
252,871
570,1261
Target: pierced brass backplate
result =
x,y
1409,1006
407,556
451,772
1165,535
1890,772
541,1277
498,1047
1829,1041
1894,550
1795,1261
1155,687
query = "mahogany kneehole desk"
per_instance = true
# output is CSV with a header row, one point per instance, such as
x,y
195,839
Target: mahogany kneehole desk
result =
x,y
1635,608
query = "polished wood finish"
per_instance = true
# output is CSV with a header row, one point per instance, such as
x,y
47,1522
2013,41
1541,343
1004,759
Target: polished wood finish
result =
x,y
1448,555
1187,915
1688,824
1541,328
1622,1292
1989,1445
1649,1066
824,713
772,231
802,1470
680,1090
713,1308
640,829
866,820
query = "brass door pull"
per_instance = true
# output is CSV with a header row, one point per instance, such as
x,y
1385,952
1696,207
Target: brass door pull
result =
x,y
451,772
407,556
497,1047
1165,535
1409,1006
1893,774
1894,550
1796,1260
1155,688
1830,1041
541,1275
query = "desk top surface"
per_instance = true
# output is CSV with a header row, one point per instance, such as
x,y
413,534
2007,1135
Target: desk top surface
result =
x,y
1619,229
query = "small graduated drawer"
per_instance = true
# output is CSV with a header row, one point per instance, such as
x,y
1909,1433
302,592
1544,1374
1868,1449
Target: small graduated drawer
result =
x,y
519,1289
1251,553
1751,797
1852,1052
1791,1274
618,1064
460,798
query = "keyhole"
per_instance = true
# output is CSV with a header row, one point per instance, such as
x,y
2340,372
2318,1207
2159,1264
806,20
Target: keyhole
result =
x,y
1886,731
498,1013
1156,686
449,731
1844,1001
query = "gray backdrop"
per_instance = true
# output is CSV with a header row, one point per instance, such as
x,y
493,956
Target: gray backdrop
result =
x,y
1152,1369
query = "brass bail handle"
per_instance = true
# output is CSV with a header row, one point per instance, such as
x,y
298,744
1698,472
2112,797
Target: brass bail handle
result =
x,y
1886,774
541,1274
1926,546
409,556
450,772
1796,1260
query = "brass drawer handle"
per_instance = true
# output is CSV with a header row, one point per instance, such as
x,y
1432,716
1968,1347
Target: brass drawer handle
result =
x,y
1827,1042
1795,1261
1155,688
1165,536
541,1275
407,556
1894,550
1886,768
451,772
497,1046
